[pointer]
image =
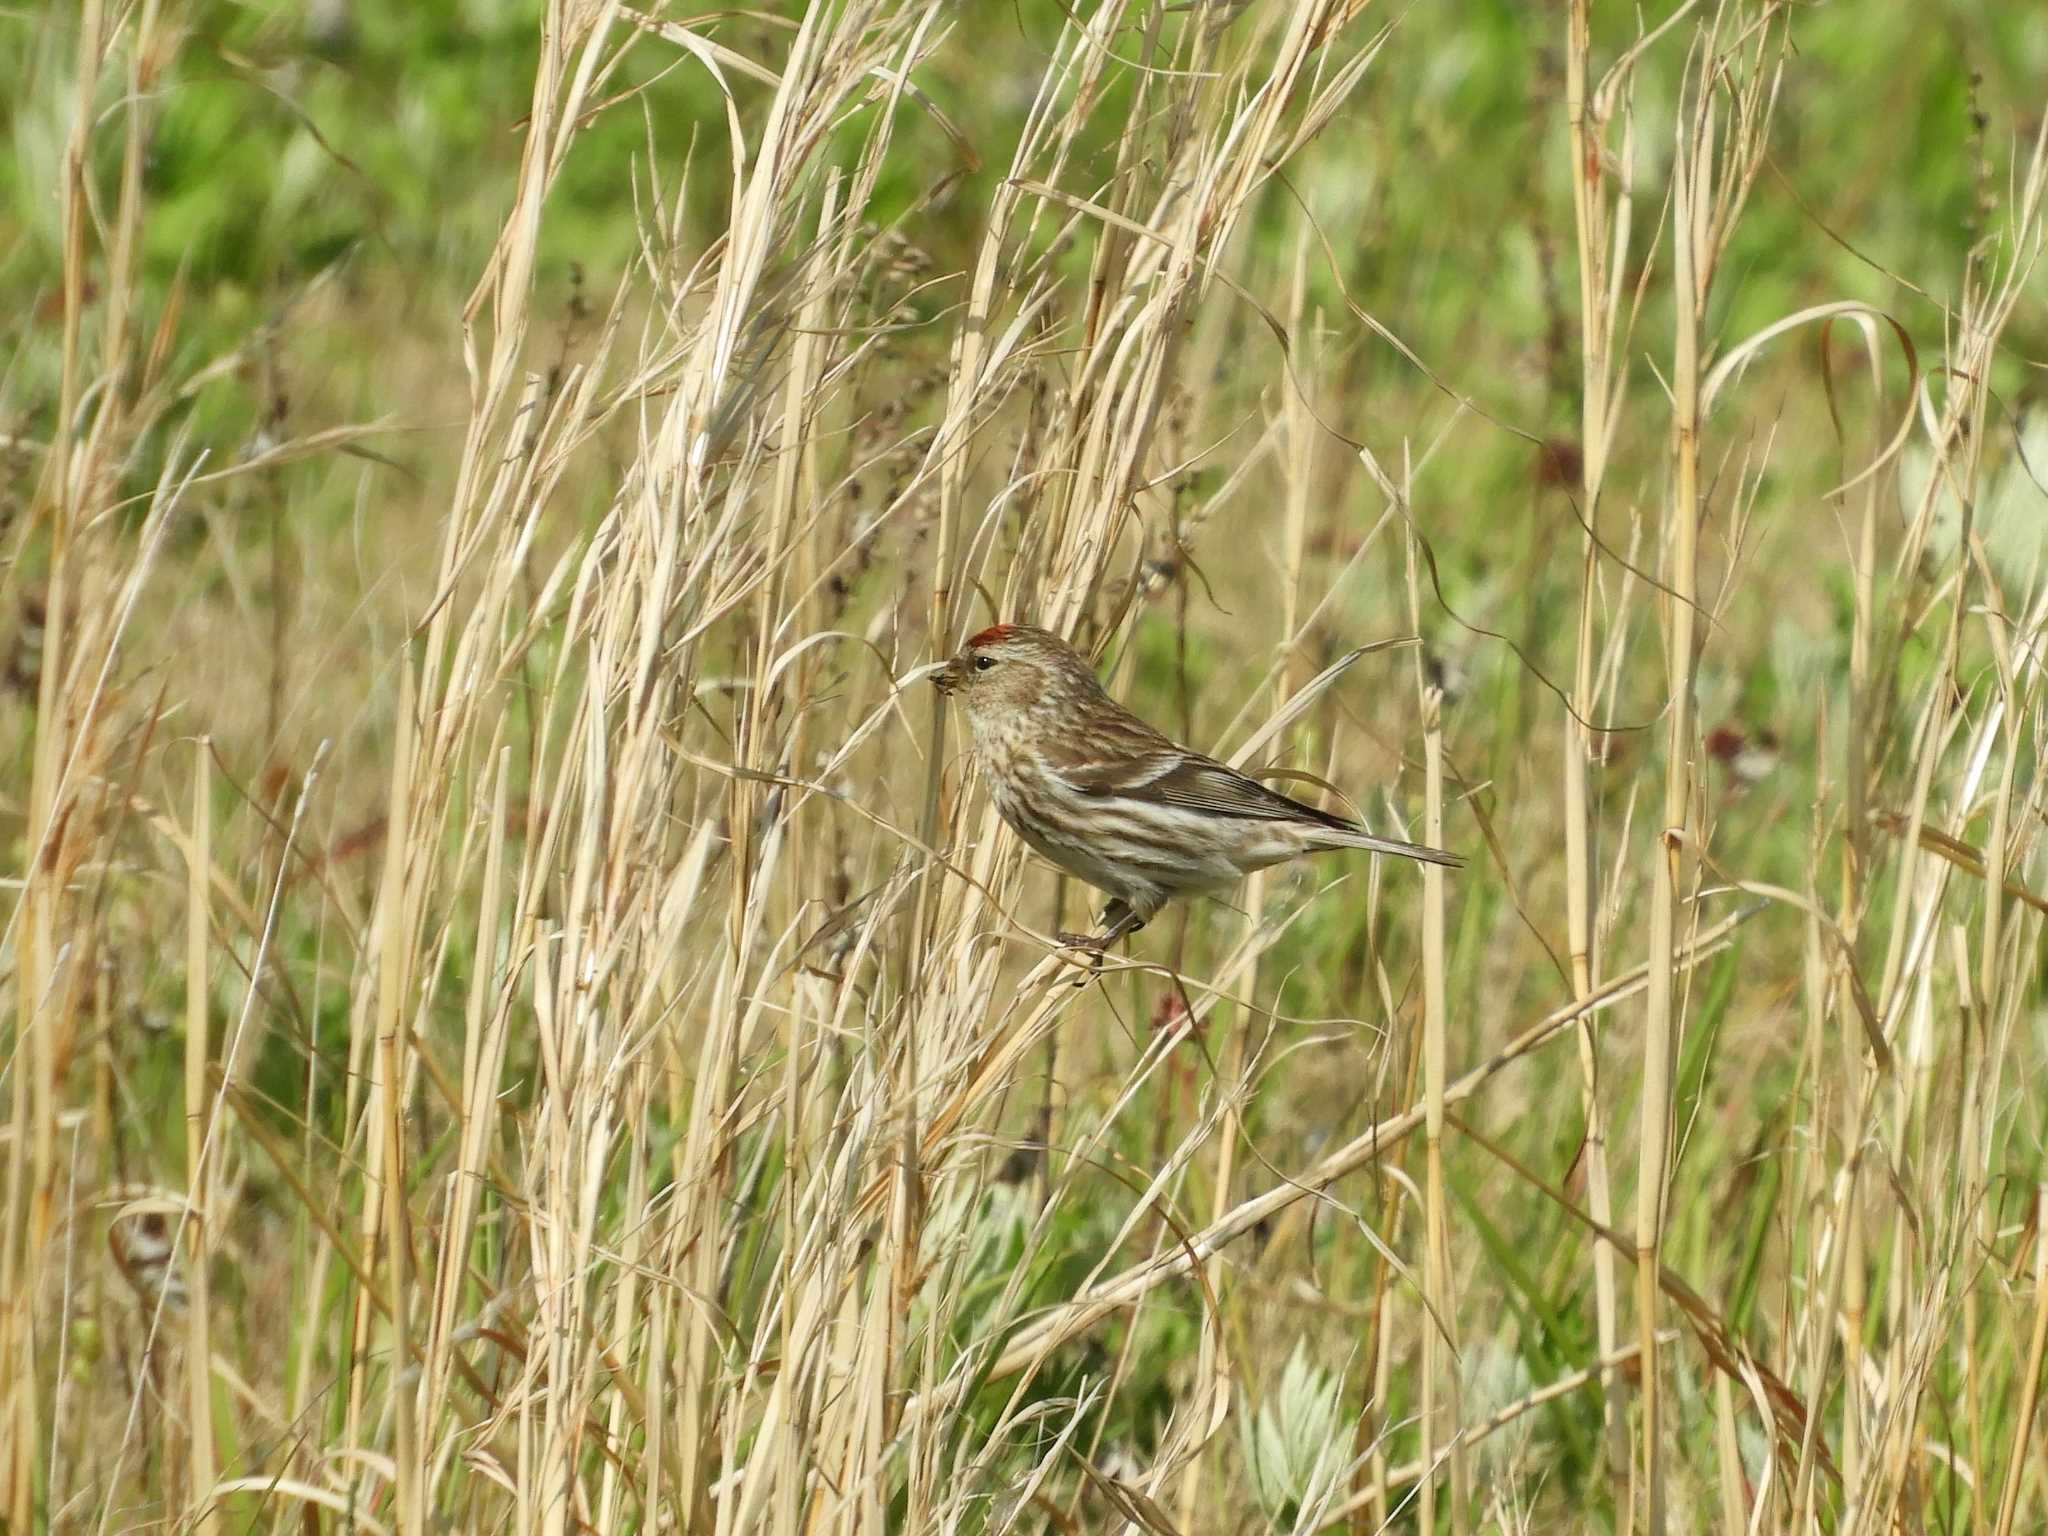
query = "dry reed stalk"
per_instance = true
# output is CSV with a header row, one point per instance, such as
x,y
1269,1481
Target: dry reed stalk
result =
x,y
387,1212
201,1464
1728,1458
1718,151
1374,1500
1600,219
1442,1414
1440,1340
1669,877
2022,1457
483,1053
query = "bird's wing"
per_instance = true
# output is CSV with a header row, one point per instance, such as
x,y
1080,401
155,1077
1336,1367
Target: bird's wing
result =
x,y
1190,781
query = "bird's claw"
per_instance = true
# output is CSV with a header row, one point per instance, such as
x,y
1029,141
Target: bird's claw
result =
x,y
1084,952
1118,923
1088,951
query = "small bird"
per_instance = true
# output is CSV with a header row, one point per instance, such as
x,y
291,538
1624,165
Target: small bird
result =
x,y
1102,795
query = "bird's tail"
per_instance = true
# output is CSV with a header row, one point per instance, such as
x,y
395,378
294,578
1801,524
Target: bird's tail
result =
x,y
1358,837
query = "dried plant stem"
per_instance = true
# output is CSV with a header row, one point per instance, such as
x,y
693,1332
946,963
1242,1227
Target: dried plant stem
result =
x,y
1855,871
486,1023
1669,875
1373,1500
1728,1458
1440,1368
201,1214
1598,302
1211,1361
1441,1415
2023,1458
388,1110
1855,1090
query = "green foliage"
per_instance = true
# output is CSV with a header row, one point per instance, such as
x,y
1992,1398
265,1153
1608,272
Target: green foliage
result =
x,y
1296,1443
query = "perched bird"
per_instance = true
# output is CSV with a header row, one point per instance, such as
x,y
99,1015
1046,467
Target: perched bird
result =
x,y
1102,795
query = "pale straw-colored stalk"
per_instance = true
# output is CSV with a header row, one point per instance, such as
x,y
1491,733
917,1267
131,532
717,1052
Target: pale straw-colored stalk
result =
x,y
1601,220
201,1467
1442,1416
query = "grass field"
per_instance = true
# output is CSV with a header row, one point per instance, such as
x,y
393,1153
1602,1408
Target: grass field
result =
x,y
518,1015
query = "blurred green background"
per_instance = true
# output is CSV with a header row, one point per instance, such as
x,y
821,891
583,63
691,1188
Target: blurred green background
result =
x,y
372,142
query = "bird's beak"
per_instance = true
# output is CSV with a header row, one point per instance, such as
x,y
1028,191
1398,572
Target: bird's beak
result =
x,y
948,676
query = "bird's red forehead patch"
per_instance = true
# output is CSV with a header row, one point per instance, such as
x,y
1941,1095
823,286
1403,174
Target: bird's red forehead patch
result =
x,y
994,634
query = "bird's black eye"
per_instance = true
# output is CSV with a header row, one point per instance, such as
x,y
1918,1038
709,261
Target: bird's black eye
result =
x,y
983,663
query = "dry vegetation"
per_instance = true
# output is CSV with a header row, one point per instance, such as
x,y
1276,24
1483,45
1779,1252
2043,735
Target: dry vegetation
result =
x,y
517,1017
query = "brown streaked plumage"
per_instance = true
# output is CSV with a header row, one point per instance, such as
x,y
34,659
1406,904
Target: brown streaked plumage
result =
x,y
1102,795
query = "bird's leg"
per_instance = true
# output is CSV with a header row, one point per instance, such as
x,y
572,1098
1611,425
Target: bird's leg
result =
x,y
1118,920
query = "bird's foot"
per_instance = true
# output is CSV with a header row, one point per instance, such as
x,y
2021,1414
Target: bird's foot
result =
x,y
1118,922
1084,952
